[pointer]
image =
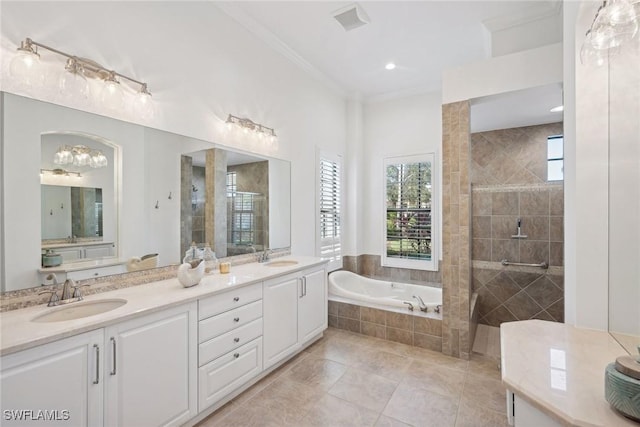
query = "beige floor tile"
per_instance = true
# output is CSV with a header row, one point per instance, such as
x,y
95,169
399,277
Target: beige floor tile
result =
x,y
483,365
364,389
385,364
339,350
440,359
480,417
384,421
315,372
247,415
485,393
421,408
335,412
435,378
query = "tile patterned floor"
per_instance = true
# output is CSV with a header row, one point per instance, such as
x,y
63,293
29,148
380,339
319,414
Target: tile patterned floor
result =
x,y
347,379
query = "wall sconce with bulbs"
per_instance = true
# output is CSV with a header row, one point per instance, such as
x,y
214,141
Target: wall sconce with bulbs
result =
x,y
79,155
615,24
249,126
27,69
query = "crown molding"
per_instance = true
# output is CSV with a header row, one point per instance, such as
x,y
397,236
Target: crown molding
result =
x,y
542,10
261,32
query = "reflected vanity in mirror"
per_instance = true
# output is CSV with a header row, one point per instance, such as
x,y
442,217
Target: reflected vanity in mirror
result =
x,y
131,207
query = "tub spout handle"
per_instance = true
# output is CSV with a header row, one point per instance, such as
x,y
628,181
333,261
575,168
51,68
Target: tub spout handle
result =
x,y
421,304
409,304
438,308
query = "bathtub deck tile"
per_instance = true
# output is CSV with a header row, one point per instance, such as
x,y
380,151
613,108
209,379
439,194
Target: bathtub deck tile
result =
x,y
373,315
373,330
400,335
333,308
348,310
429,342
399,321
352,325
425,325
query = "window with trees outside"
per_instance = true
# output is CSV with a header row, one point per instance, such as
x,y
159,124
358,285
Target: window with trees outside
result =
x,y
410,207
329,243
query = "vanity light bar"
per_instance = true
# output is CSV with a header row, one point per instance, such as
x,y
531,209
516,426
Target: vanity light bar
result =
x,y
76,64
249,125
60,172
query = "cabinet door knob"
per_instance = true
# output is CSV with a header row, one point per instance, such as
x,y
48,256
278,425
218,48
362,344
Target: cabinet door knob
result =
x,y
236,340
236,319
236,299
236,355
96,273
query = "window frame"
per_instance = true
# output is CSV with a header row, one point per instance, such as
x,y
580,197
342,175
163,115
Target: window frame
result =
x,y
415,264
555,159
335,262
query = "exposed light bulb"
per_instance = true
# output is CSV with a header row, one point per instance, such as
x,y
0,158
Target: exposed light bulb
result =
x,y
74,85
143,104
112,95
26,68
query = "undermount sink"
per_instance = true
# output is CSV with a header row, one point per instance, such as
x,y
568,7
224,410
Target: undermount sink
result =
x,y
283,263
78,310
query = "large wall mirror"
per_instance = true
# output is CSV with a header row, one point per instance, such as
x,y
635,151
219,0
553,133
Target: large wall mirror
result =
x,y
624,197
135,201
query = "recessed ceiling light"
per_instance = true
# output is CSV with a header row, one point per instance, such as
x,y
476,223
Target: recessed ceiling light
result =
x,y
390,66
557,109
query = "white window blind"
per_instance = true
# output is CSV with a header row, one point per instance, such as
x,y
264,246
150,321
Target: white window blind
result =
x,y
409,213
330,172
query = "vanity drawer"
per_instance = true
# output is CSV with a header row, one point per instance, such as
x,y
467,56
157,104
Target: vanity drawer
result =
x,y
226,373
225,322
235,298
224,343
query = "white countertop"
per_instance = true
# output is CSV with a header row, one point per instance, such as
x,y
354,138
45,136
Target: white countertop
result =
x,y
83,265
18,332
559,369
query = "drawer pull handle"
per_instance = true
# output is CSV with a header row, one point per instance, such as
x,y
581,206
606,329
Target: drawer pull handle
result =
x,y
236,299
236,355
95,274
236,340
96,347
236,319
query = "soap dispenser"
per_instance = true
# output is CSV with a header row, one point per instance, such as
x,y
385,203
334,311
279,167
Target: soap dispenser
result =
x,y
209,258
192,254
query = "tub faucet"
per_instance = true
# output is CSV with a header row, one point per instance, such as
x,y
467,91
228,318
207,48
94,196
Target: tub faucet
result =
x,y
409,304
421,304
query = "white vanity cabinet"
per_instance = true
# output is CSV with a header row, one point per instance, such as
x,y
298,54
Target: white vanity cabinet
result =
x,y
230,337
150,369
295,310
59,383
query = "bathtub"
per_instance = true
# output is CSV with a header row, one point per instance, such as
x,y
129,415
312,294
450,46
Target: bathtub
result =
x,y
350,285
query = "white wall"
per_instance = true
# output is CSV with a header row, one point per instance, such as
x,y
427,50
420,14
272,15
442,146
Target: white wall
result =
x,y
588,279
521,70
200,65
404,126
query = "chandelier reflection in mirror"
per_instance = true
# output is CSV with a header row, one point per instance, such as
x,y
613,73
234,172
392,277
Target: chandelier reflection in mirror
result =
x,y
615,24
27,69
79,155
248,126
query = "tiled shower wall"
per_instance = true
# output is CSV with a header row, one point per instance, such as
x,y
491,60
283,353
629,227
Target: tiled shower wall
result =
x,y
509,181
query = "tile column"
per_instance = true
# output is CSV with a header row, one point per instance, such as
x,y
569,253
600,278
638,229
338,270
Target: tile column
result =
x,y
456,211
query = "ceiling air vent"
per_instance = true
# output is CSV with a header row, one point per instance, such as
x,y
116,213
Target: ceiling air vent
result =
x,y
351,17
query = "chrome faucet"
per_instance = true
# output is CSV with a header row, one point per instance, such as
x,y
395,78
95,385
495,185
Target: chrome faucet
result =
x,y
421,304
67,292
264,255
409,304
70,292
